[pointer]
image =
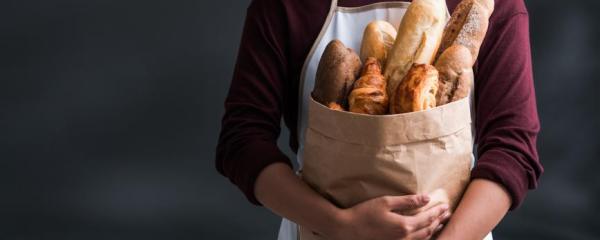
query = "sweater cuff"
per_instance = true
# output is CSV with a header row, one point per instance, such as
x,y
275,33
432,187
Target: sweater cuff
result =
x,y
502,168
254,157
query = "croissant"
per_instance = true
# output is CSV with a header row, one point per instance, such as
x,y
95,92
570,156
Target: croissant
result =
x,y
335,106
369,95
417,91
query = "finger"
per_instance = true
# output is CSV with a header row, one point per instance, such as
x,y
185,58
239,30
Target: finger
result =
x,y
426,232
409,202
446,217
425,218
438,228
437,231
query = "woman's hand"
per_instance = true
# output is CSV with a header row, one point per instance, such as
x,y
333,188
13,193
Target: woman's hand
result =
x,y
379,219
280,190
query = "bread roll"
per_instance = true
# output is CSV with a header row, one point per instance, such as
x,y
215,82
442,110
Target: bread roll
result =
x,y
456,74
338,69
419,36
369,95
417,90
462,39
377,41
468,25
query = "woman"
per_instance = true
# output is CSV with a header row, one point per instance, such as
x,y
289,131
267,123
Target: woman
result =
x,y
276,54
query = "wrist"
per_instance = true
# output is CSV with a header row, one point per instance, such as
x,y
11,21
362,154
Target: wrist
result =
x,y
447,233
336,221
482,207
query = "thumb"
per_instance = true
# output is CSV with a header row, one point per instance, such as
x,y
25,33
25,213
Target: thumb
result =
x,y
408,202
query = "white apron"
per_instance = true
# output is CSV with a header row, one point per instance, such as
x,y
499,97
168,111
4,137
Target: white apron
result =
x,y
346,24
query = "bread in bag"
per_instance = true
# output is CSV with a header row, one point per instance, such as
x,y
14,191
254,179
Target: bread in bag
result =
x,y
369,95
417,91
419,36
378,39
338,69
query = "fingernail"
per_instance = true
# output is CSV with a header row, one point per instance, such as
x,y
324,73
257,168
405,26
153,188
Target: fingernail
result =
x,y
426,198
445,207
439,227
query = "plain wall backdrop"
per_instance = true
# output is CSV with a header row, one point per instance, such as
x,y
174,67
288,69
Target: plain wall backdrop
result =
x,y
110,113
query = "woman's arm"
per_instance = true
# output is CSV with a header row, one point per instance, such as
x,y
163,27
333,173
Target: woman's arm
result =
x,y
279,189
506,126
483,206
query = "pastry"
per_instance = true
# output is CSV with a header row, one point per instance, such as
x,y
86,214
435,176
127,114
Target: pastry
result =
x,y
369,95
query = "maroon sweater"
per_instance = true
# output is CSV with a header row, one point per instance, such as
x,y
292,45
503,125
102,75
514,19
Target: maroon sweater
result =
x,y
277,37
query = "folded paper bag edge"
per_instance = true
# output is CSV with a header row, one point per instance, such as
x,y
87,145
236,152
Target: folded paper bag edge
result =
x,y
407,127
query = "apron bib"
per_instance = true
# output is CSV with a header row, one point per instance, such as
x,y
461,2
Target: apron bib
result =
x,y
346,24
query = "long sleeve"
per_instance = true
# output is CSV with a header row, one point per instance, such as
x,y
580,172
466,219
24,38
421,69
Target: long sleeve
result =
x,y
507,123
253,107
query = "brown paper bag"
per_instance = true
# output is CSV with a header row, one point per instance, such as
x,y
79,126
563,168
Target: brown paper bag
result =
x,y
350,158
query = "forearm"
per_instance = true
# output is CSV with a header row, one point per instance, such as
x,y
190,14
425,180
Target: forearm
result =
x,y
482,207
284,193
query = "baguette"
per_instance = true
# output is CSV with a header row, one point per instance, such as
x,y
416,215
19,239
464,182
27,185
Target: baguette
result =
x,y
419,36
377,41
459,50
468,26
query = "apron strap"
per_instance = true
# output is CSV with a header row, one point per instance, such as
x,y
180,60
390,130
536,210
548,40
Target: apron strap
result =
x,y
332,8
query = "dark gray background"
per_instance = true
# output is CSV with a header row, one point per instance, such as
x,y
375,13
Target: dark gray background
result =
x,y
110,112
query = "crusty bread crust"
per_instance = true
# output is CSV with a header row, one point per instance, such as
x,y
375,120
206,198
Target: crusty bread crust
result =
x,y
468,26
